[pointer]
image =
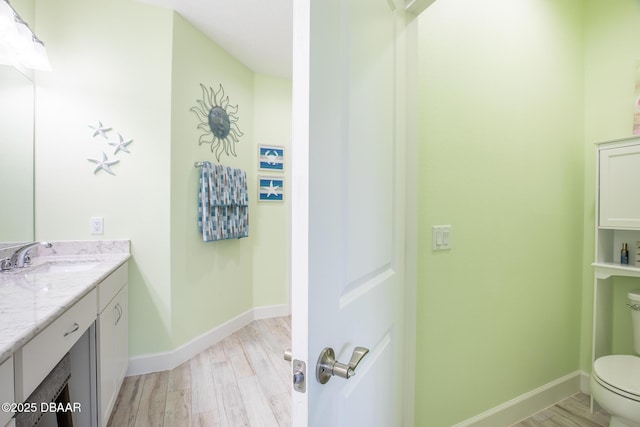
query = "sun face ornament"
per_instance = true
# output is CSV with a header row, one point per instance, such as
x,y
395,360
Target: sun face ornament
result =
x,y
218,119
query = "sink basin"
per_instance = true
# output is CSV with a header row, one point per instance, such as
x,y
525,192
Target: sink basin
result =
x,y
66,266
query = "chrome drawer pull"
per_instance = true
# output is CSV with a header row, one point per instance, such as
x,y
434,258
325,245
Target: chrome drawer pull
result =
x,y
75,328
118,309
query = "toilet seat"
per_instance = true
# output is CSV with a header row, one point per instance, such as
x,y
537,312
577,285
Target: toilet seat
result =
x,y
620,374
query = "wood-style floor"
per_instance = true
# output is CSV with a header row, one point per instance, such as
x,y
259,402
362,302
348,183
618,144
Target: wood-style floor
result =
x,y
244,381
241,381
572,411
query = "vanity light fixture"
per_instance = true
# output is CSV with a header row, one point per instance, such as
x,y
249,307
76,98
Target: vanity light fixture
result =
x,y
19,46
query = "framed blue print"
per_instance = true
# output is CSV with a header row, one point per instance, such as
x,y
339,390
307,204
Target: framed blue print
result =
x,y
270,189
271,158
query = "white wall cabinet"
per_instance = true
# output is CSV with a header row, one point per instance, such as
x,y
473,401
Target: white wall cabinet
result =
x,y
617,205
618,179
618,222
112,340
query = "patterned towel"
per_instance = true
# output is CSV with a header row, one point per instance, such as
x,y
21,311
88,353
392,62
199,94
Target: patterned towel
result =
x,y
223,203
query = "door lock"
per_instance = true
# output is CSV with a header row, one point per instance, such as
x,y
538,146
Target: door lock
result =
x,y
328,366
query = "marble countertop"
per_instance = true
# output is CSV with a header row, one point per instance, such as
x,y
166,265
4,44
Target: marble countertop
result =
x,y
33,297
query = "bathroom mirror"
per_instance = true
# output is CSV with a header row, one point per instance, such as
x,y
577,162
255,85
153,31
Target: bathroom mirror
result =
x,y
16,156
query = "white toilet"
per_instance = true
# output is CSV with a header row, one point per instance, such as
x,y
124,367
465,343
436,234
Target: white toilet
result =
x,y
615,379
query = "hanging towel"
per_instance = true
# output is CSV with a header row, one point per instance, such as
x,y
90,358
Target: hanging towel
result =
x,y
223,203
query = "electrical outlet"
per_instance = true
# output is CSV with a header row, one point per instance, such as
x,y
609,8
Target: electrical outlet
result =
x,y
96,225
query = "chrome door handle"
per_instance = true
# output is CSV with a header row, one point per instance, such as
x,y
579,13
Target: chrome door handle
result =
x,y
328,366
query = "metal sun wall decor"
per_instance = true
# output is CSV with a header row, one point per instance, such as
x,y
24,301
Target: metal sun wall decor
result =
x,y
218,120
121,145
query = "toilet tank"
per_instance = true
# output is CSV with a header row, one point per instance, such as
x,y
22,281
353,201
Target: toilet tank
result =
x,y
634,303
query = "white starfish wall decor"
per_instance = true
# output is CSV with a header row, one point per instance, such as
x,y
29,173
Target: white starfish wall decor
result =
x,y
121,145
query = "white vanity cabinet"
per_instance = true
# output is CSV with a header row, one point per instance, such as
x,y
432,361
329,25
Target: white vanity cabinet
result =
x,y
112,340
6,389
72,305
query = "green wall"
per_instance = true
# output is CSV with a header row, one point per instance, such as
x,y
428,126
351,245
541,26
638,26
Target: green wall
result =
x,y
501,161
214,282
111,62
138,69
211,282
271,247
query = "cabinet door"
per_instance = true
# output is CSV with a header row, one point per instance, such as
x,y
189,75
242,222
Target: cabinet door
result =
x,y
113,351
6,388
618,182
121,338
106,365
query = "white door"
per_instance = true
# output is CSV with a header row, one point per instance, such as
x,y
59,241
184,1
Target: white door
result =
x,y
348,207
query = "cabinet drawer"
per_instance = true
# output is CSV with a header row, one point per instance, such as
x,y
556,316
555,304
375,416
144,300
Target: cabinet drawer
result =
x,y
44,351
6,388
109,287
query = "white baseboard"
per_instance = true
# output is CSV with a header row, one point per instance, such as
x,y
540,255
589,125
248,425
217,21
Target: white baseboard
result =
x,y
168,360
585,383
269,311
529,403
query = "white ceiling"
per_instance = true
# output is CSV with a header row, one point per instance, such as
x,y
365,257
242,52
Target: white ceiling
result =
x,y
256,32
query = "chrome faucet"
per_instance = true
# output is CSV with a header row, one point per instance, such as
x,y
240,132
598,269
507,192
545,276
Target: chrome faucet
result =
x,y
21,256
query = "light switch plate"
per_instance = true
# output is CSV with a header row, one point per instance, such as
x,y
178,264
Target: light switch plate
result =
x,y
441,237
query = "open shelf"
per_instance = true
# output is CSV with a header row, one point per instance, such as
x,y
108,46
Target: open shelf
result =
x,y
604,270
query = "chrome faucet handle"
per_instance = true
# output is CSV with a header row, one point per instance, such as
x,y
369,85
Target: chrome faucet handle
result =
x,y
5,264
